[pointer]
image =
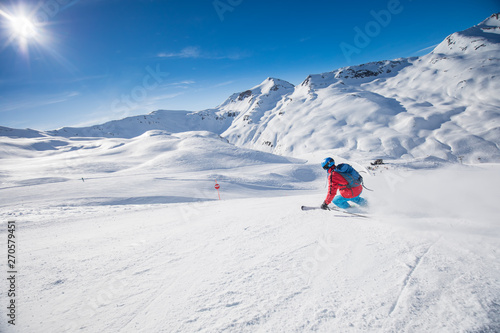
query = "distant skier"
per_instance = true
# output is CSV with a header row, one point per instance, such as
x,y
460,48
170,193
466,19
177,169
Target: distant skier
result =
x,y
344,178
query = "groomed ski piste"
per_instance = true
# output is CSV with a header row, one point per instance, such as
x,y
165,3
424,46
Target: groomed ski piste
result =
x,y
128,235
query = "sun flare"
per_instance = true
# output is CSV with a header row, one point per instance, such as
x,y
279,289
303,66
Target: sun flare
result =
x,y
23,27
19,27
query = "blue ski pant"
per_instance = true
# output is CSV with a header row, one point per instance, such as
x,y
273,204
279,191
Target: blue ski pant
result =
x,y
342,202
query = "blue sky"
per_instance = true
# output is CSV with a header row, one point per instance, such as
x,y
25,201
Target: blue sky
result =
x,y
71,62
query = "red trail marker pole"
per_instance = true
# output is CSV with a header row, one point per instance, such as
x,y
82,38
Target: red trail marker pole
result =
x,y
217,187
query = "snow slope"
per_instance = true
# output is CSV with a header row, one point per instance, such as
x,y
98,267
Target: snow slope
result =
x,y
185,268
126,163
142,244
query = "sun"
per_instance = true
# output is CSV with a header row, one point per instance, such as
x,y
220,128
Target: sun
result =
x,y
22,27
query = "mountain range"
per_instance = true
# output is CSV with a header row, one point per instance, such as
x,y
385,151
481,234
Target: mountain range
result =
x,y
444,105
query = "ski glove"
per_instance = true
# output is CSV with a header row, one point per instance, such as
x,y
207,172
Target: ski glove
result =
x,y
324,206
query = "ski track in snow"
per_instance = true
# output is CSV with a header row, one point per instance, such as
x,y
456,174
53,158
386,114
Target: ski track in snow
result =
x,y
408,277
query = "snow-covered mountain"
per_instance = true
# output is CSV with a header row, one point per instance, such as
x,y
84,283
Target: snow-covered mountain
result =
x,y
252,107
443,105
249,105
169,120
483,36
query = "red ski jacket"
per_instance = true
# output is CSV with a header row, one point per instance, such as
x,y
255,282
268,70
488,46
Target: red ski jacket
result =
x,y
337,182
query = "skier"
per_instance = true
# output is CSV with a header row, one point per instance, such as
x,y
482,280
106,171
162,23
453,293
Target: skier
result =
x,y
338,182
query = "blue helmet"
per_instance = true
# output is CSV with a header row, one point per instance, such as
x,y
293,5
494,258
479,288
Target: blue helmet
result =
x,y
328,163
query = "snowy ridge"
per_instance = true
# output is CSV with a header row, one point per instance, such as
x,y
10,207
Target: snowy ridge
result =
x,y
481,37
169,120
20,133
264,92
356,74
252,107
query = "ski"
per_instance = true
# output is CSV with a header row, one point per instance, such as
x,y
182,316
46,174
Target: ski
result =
x,y
335,209
309,208
350,213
